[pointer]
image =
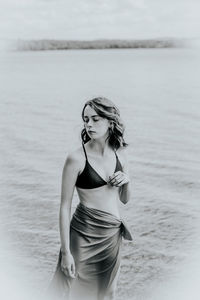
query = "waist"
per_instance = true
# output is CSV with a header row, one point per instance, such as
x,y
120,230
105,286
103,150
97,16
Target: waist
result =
x,y
88,213
101,199
96,223
111,207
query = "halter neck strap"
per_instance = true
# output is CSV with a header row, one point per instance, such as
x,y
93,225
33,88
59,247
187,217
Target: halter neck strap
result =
x,y
84,151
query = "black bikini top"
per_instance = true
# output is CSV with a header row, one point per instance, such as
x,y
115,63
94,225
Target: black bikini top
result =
x,y
89,178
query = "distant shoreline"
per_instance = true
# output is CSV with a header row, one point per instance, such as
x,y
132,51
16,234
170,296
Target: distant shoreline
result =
x,y
46,44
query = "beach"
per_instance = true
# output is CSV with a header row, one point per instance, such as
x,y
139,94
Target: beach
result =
x,y
157,91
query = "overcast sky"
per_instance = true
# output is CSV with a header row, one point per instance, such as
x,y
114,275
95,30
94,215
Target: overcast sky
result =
x,y
94,19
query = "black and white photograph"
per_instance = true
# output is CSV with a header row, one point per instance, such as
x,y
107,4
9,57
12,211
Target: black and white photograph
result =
x,y
100,150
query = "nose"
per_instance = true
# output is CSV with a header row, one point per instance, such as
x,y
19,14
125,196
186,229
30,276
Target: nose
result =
x,y
89,123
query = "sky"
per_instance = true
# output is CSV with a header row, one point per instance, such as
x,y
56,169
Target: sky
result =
x,y
98,19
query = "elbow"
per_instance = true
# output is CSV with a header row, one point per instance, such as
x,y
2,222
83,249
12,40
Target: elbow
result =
x,y
125,194
125,198
125,201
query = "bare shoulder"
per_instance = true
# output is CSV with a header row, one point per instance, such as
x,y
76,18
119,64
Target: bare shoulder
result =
x,y
74,154
75,158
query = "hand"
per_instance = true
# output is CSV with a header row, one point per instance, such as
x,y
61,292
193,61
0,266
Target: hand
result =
x,y
68,265
118,179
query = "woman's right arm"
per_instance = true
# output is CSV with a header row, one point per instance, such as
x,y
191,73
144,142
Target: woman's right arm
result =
x,y
69,176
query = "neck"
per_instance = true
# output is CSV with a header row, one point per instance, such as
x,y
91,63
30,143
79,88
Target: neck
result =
x,y
100,145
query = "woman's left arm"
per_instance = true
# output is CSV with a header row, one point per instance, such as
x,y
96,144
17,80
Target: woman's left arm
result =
x,y
124,189
121,179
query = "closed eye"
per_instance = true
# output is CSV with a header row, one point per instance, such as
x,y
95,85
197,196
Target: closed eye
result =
x,y
95,119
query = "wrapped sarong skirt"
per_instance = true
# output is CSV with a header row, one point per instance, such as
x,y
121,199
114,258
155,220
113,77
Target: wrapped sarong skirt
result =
x,y
95,243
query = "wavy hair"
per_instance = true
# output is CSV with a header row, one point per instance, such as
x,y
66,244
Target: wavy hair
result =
x,y
105,108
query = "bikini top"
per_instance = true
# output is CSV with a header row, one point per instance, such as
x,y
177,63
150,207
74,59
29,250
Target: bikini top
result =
x,y
89,178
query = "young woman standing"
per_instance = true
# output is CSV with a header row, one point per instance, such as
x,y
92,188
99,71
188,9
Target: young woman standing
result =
x,y
89,258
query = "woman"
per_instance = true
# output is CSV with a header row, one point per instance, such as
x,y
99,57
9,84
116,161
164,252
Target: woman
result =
x,y
89,259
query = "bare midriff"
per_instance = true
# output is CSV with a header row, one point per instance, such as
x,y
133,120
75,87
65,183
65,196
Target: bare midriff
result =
x,y
105,198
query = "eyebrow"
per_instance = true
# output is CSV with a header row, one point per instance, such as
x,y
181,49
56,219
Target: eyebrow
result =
x,y
91,116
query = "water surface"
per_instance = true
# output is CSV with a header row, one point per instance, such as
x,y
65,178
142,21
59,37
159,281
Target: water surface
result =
x,y
157,91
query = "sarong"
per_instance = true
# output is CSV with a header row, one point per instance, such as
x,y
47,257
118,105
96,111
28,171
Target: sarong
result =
x,y
95,243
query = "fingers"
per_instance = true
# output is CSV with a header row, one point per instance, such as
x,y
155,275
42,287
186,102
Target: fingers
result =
x,y
120,183
116,178
64,270
69,270
68,265
73,270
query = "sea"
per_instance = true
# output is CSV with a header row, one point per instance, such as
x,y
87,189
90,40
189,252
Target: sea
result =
x,y
158,93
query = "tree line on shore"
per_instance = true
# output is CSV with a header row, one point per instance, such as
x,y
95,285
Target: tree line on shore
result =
x,y
45,44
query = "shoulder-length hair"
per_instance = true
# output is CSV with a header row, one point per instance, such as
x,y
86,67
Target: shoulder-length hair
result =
x,y
105,108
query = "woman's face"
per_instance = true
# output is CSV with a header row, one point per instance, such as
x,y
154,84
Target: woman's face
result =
x,y
96,126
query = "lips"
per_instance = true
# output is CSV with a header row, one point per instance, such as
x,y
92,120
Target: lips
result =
x,y
91,131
